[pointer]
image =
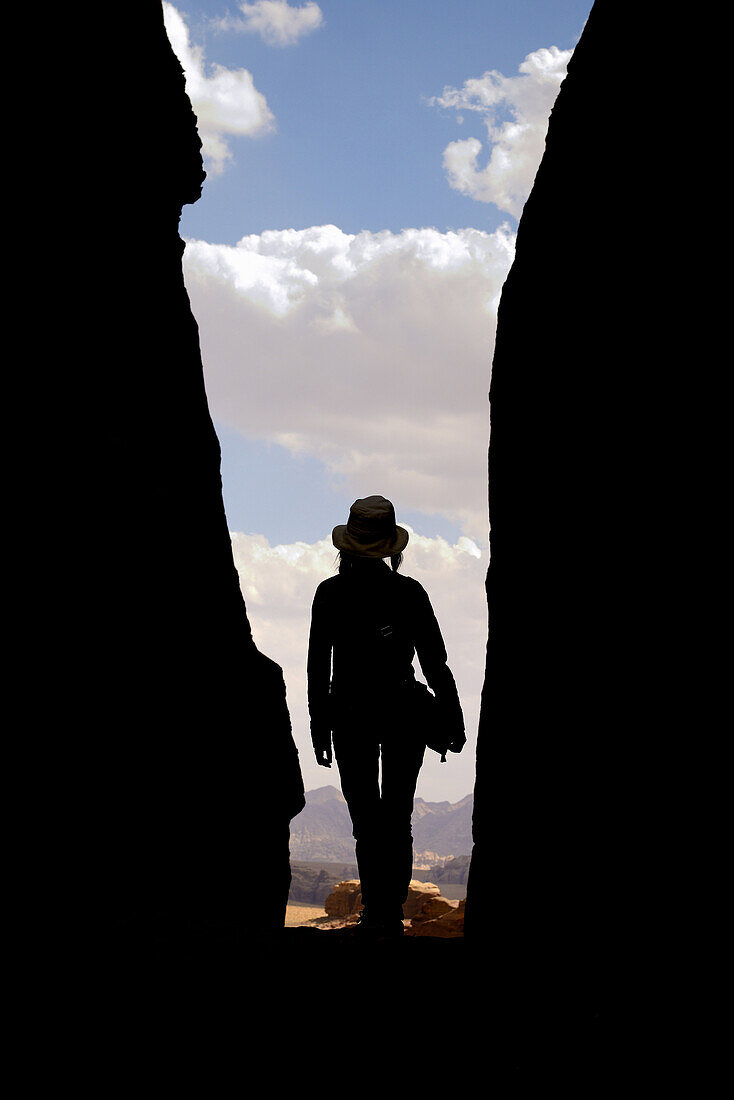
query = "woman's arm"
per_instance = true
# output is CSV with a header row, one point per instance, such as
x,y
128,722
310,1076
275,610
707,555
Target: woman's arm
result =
x,y
319,675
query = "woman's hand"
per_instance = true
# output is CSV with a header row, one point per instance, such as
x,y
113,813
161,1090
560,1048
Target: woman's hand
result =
x,y
321,741
323,757
456,744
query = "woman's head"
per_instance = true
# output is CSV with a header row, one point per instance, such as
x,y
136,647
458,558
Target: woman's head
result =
x,y
371,531
349,562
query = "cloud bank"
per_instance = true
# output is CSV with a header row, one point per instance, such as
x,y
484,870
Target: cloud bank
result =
x,y
275,21
368,351
278,584
226,102
515,112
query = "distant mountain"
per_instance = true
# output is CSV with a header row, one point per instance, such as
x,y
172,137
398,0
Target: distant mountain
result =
x,y
442,828
323,795
322,832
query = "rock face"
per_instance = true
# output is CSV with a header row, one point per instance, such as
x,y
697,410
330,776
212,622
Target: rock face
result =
x,y
586,414
170,697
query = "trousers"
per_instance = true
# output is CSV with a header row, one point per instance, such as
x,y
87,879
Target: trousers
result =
x,y
381,808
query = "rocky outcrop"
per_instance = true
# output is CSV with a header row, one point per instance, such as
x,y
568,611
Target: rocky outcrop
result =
x,y
345,901
446,924
419,895
425,912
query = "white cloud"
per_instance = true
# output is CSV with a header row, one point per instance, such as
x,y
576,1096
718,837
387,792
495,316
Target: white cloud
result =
x,y
278,584
515,111
370,351
275,21
226,102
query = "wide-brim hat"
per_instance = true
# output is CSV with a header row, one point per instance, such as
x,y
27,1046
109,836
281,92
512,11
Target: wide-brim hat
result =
x,y
371,530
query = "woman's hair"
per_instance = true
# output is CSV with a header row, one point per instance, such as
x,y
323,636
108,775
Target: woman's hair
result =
x,y
349,561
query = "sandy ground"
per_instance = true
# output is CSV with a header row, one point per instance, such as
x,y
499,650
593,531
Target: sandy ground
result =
x,y
297,914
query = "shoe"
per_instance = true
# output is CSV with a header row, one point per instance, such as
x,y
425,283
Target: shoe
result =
x,y
365,925
379,927
392,928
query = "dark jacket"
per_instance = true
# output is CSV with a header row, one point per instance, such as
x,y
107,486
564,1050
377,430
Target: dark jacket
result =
x,y
366,627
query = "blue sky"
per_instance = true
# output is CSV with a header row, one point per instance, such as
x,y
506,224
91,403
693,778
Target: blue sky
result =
x,y
367,164
356,145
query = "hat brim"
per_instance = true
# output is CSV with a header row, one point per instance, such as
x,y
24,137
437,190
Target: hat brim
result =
x,y
382,548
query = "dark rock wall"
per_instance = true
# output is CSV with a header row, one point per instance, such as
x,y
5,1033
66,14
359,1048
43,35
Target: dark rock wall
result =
x,y
581,584
178,708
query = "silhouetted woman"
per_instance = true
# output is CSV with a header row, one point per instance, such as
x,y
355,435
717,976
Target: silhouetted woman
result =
x,y
367,623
